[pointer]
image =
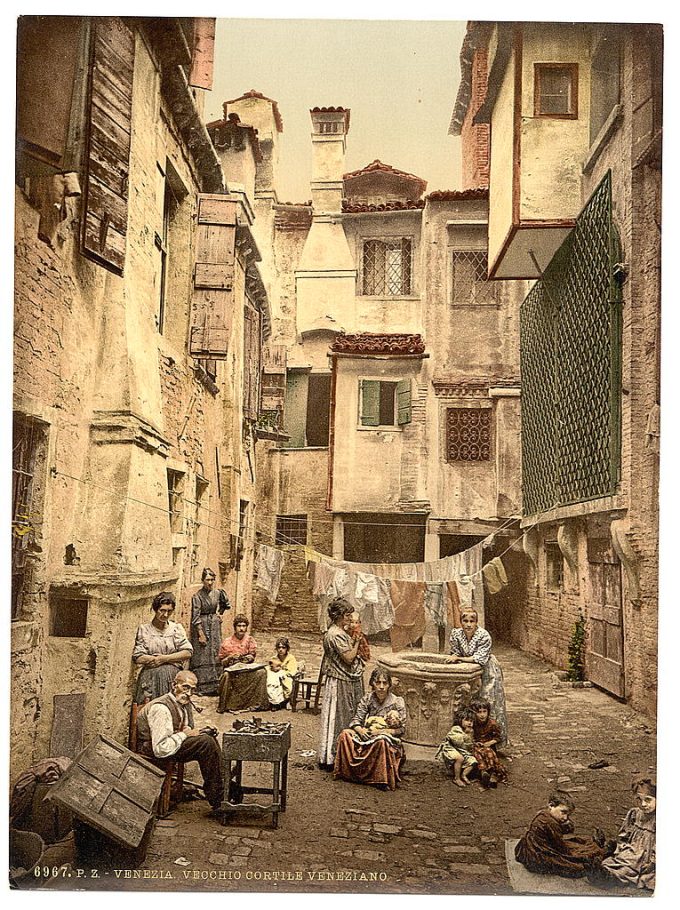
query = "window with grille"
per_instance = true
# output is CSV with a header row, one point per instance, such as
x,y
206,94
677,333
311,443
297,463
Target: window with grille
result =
x,y
387,267
556,90
468,434
291,529
469,284
176,500
28,455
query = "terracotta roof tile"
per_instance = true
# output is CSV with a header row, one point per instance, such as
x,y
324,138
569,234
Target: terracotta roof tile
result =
x,y
377,166
477,192
397,206
378,343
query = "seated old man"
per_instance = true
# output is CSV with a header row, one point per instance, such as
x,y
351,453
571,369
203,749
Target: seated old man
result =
x,y
166,732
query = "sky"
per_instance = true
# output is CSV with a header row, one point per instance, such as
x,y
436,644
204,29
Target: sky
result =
x,y
399,79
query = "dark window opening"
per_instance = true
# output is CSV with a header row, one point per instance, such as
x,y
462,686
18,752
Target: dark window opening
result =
x,y
291,529
28,455
450,544
68,616
175,500
170,207
389,538
384,403
556,90
318,409
554,566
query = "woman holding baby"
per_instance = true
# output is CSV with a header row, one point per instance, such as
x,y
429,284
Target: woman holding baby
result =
x,y
370,750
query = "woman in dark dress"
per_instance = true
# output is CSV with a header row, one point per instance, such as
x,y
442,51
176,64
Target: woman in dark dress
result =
x,y
207,606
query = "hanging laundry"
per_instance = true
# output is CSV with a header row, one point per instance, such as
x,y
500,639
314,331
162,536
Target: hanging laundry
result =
x,y
376,615
452,604
500,570
465,589
408,600
435,605
268,565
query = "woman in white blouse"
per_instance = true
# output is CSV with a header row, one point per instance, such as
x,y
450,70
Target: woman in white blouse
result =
x,y
471,644
161,649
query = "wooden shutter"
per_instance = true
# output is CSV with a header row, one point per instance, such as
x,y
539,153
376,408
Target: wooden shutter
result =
x,y
212,304
108,147
370,403
403,402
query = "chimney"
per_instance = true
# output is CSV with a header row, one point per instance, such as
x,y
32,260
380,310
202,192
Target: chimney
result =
x,y
262,113
326,275
330,126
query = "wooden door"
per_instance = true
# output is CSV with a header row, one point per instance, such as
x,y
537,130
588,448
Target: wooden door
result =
x,y
604,655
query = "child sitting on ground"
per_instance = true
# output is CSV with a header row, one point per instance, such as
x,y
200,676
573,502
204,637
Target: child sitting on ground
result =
x,y
487,735
634,858
457,750
550,848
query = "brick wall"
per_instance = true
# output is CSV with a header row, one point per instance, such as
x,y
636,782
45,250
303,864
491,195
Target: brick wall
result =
x,y
475,137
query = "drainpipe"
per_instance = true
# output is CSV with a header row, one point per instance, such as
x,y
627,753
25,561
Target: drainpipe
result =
x,y
331,430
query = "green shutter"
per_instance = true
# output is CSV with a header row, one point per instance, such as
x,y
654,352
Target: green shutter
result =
x,y
370,402
403,402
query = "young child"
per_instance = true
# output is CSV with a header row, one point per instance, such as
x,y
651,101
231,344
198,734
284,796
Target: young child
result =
x,y
457,750
378,724
550,848
277,684
356,634
487,735
634,858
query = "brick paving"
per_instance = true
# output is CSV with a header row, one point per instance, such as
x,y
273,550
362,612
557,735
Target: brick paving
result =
x,y
428,836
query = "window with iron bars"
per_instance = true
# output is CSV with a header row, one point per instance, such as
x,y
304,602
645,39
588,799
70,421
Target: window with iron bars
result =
x,y
469,283
28,455
387,267
468,434
291,529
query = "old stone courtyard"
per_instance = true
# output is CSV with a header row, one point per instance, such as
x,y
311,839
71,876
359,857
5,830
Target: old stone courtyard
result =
x,y
427,836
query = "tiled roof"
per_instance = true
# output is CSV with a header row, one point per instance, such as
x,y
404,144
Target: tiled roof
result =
x,y
291,217
217,128
477,192
378,343
253,94
377,166
333,110
397,206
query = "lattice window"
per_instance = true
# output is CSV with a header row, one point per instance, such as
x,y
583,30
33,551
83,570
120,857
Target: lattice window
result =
x,y
28,454
387,267
291,529
570,351
469,284
468,434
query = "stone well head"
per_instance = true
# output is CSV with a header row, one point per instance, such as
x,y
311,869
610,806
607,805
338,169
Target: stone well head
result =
x,y
433,690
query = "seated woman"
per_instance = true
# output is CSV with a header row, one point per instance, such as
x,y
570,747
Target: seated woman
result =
x,y
370,751
242,684
161,650
282,669
473,645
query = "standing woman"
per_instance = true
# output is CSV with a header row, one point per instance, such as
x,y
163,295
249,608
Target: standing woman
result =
x,y
344,673
207,605
161,648
470,644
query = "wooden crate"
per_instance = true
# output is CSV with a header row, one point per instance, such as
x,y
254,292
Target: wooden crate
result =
x,y
112,790
239,746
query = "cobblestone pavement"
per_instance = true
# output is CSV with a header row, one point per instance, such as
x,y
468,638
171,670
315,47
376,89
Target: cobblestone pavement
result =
x,y
426,837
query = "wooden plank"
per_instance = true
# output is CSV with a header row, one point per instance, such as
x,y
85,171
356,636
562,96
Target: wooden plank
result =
x,y
213,275
216,209
102,199
107,166
109,133
216,243
110,98
114,249
605,673
67,725
114,34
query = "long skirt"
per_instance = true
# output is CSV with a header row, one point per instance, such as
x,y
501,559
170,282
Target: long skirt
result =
x,y
377,762
340,700
493,691
488,761
243,689
204,662
153,682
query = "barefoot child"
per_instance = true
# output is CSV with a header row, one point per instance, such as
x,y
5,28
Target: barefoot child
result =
x,y
550,848
457,749
487,735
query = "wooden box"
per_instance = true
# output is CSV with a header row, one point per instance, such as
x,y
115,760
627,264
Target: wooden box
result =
x,y
237,746
113,791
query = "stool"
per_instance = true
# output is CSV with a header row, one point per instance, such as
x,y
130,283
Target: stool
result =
x,y
173,785
306,688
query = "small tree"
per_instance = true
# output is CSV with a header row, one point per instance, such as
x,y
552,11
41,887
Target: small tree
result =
x,y
576,663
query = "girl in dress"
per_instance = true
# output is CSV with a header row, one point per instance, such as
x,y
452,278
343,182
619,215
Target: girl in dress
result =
x,y
634,859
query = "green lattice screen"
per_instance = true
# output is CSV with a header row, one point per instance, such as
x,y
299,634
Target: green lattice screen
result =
x,y
570,350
